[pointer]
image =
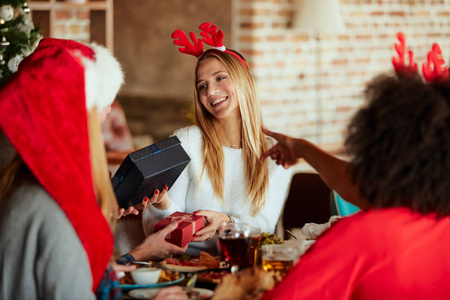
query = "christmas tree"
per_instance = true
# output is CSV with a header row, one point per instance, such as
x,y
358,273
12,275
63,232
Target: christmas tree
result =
x,y
18,36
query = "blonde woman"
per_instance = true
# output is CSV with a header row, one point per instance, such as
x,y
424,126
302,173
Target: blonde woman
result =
x,y
225,181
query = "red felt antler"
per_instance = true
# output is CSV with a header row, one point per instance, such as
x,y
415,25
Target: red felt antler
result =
x,y
399,62
212,36
434,69
180,39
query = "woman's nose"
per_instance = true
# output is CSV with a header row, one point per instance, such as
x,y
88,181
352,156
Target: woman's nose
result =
x,y
212,89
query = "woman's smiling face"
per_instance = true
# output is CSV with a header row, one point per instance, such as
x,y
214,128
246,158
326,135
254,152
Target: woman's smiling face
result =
x,y
215,88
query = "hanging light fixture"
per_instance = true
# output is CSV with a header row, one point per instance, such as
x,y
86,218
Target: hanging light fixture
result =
x,y
319,16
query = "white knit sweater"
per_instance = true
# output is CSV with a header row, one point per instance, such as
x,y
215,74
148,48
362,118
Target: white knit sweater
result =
x,y
189,195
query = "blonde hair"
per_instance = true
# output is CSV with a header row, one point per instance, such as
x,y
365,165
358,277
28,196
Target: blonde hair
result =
x,y
252,138
99,166
9,173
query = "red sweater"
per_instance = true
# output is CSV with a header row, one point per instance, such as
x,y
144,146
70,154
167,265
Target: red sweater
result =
x,y
380,254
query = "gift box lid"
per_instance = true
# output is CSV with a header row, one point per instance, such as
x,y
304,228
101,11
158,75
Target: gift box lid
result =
x,y
147,169
185,232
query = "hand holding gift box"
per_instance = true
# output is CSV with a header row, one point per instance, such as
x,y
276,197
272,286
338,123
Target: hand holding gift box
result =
x,y
185,232
147,169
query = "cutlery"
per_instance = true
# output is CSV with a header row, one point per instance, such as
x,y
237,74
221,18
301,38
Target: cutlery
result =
x,y
139,262
191,283
291,234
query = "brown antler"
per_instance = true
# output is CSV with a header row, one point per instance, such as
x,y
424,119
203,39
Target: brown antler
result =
x,y
211,35
434,69
399,62
180,39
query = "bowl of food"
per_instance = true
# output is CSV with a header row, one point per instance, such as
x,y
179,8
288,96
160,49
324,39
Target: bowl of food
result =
x,y
146,275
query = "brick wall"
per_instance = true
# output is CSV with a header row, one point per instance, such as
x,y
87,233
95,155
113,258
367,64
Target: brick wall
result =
x,y
72,23
284,60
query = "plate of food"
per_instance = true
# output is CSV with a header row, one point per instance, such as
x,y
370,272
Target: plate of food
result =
x,y
209,279
189,264
166,278
194,293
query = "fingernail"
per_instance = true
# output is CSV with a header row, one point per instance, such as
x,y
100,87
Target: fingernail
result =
x,y
195,212
145,199
166,188
156,192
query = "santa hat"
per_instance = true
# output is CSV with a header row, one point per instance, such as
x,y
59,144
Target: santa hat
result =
x,y
43,112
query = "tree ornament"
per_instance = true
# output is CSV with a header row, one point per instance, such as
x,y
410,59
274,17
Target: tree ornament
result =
x,y
18,36
4,42
25,8
6,12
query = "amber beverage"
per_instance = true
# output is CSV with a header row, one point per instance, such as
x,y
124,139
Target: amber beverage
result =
x,y
234,241
278,258
279,263
234,249
254,249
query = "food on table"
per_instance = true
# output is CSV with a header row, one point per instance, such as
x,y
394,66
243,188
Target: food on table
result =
x,y
182,266
184,257
126,279
249,283
208,260
267,238
212,276
165,276
189,264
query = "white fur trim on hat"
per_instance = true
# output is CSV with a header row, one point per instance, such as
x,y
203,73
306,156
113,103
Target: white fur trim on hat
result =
x,y
103,78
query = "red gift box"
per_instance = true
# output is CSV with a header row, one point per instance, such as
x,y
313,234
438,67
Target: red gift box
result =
x,y
186,229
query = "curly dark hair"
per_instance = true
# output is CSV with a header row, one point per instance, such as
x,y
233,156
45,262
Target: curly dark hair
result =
x,y
400,143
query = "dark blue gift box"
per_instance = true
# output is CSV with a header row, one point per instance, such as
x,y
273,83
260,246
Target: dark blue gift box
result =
x,y
148,169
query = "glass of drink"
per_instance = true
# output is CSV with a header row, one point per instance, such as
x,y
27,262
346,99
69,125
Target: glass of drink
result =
x,y
255,239
278,257
234,242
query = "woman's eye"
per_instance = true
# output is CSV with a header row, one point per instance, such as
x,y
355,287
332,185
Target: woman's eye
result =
x,y
220,78
201,87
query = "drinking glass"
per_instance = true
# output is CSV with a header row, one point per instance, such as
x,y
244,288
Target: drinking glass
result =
x,y
253,251
234,242
278,257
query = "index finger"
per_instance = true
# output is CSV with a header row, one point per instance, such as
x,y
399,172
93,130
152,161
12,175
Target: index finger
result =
x,y
169,228
267,153
275,135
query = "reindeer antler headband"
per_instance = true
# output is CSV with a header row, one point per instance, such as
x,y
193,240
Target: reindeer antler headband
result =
x,y
434,70
211,36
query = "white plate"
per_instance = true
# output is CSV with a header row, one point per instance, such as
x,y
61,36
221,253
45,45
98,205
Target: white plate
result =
x,y
191,269
151,293
126,287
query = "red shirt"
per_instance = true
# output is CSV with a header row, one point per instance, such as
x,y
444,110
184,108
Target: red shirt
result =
x,y
380,254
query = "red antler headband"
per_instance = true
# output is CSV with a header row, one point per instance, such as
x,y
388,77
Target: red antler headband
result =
x,y
211,36
439,72
399,62
433,70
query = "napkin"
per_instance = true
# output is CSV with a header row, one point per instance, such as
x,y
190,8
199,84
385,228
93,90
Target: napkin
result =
x,y
312,230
